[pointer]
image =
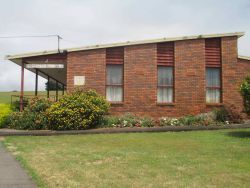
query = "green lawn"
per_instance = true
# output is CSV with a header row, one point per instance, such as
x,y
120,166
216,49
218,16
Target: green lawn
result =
x,y
183,159
5,97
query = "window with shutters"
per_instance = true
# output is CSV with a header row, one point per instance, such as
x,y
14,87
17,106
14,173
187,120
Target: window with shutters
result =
x,y
114,74
213,70
165,72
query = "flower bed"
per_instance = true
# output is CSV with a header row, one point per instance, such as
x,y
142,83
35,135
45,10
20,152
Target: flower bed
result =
x,y
86,109
222,116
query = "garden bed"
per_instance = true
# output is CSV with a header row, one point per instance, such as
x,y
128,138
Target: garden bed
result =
x,y
82,110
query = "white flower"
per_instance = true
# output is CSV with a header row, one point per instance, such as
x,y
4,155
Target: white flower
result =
x,y
125,123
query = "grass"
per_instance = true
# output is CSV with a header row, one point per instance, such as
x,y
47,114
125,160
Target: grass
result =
x,y
5,97
184,159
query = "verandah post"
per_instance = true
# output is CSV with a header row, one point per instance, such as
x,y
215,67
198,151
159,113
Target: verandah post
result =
x,y
22,86
56,90
48,87
36,86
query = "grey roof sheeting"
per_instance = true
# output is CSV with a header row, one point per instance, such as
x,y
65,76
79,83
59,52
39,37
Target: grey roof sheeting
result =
x,y
244,57
128,43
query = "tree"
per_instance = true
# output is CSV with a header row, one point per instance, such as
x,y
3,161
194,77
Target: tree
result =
x,y
245,92
52,86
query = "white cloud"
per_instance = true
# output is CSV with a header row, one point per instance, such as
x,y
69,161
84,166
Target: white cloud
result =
x,y
97,21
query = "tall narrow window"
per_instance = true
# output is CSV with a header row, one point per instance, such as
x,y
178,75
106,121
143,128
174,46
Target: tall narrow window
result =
x,y
114,89
165,84
165,72
114,74
213,85
213,70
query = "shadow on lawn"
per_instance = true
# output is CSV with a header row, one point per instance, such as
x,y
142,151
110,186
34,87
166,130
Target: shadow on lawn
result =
x,y
239,134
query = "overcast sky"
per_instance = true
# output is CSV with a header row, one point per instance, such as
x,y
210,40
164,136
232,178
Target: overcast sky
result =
x,y
85,22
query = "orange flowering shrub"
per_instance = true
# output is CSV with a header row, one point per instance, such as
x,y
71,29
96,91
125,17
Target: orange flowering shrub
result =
x,y
78,110
33,117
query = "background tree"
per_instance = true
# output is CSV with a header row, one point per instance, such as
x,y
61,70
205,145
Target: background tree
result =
x,y
245,92
52,86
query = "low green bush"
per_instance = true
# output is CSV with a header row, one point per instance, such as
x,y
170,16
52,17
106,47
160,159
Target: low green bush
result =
x,y
33,117
110,121
198,120
166,121
127,120
147,122
228,114
78,110
221,114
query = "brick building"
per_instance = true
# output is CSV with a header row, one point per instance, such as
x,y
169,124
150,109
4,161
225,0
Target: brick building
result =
x,y
163,77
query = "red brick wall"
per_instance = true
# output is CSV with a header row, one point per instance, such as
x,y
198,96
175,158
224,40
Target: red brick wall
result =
x,y
90,64
140,77
189,76
233,72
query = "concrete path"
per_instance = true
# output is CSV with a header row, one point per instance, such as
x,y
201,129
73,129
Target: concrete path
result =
x,y
11,173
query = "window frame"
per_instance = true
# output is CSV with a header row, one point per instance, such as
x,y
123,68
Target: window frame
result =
x,y
214,87
213,59
166,86
115,85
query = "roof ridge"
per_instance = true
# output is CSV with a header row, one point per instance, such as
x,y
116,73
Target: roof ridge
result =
x,y
128,43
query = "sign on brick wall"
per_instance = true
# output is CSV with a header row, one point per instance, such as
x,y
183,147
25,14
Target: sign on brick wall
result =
x,y
79,80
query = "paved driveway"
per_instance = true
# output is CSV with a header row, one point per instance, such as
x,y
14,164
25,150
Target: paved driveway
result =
x,y
11,173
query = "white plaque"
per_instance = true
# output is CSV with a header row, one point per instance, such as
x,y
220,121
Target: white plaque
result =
x,y
79,80
44,66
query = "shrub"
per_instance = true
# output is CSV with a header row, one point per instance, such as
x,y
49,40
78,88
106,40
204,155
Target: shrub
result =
x,y
33,117
191,120
110,121
245,92
169,121
228,114
78,110
234,116
201,119
15,106
165,121
147,122
127,120
221,115
207,118
5,110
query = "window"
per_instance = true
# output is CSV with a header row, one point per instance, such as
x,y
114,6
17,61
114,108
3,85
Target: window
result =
x,y
165,62
165,84
114,83
213,93
213,70
114,74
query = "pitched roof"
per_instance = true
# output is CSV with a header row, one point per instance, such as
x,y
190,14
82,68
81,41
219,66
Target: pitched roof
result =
x,y
244,57
128,43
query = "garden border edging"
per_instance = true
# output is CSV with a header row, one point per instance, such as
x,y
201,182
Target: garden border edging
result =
x,y
11,132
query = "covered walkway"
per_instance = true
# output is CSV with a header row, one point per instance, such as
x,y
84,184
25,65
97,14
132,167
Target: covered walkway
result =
x,y
52,67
